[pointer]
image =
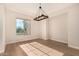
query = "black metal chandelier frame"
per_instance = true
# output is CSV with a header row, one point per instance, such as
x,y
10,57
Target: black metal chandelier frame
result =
x,y
42,15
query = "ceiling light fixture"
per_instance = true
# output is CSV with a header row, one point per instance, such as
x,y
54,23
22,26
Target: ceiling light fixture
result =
x,y
41,14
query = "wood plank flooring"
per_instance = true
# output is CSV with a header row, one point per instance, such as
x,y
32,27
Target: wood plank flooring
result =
x,y
15,50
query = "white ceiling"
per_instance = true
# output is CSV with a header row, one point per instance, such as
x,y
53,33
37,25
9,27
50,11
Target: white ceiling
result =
x,y
32,8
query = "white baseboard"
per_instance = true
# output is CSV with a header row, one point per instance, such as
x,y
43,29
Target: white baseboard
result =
x,y
72,46
10,42
59,41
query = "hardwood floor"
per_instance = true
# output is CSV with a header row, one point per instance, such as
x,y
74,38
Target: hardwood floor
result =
x,y
15,50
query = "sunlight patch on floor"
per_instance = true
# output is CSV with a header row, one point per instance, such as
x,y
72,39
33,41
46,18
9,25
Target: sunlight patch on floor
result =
x,y
37,49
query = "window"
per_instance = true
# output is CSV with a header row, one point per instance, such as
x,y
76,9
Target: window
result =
x,y
22,27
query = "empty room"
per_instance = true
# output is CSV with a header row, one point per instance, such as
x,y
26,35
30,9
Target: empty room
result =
x,y
39,29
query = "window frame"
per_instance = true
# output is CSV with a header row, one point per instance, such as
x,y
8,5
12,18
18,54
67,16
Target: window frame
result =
x,y
29,27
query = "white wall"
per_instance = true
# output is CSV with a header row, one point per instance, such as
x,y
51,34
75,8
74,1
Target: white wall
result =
x,y
2,28
11,27
43,29
64,26
58,28
73,27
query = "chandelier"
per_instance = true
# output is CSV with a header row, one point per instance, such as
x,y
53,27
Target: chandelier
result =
x,y
41,14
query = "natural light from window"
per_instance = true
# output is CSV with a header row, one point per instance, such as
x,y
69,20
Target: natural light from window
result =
x,y
22,26
37,49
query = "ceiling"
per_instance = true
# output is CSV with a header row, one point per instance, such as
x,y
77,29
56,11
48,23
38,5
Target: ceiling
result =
x,y
32,8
